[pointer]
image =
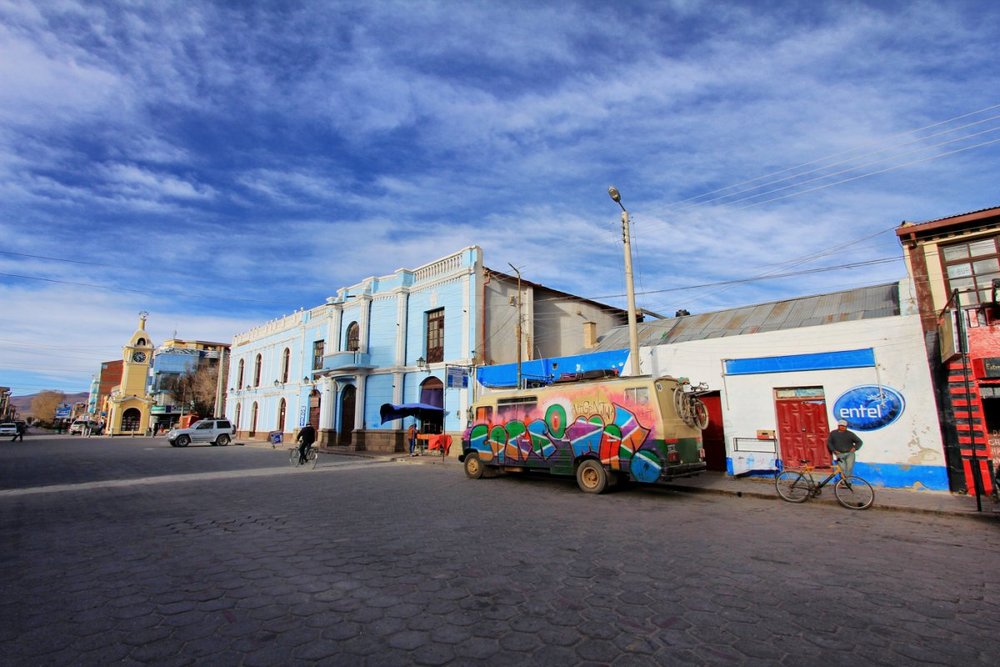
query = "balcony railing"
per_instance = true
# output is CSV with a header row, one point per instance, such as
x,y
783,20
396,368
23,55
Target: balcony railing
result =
x,y
347,360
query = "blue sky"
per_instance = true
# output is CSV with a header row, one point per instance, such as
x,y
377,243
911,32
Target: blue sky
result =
x,y
219,164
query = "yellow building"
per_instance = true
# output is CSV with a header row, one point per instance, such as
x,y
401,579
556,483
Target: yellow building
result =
x,y
128,406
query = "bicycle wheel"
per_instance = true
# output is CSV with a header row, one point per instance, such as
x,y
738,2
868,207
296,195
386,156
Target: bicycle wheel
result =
x,y
683,406
859,495
293,457
313,459
699,413
793,486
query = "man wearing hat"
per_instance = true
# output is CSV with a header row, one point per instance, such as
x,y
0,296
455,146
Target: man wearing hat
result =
x,y
842,444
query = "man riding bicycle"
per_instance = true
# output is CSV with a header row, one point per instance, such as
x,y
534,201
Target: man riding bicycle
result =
x,y
307,436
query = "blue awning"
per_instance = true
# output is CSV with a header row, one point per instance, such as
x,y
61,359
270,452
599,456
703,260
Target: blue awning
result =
x,y
389,412
546,371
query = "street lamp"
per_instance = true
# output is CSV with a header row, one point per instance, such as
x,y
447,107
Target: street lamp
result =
x,y
633,330
422,363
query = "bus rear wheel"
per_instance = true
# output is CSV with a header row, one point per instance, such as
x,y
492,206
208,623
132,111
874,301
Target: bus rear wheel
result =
x,y
591,477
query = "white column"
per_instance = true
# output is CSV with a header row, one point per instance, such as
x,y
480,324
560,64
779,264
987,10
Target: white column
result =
x,y
402,301
365,315
327,403
359,403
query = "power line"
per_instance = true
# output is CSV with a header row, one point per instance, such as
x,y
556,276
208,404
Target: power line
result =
x,y
838,154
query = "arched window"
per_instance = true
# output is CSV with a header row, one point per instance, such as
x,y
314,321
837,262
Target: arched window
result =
x,y
253,420
141,342
353,337
256,371
281,416
239,376
286,358
238,411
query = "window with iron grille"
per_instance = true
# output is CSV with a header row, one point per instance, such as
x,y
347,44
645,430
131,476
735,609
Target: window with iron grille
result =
x,y
435,336
286,358
353,337
256,371
239,376
318,354
972,265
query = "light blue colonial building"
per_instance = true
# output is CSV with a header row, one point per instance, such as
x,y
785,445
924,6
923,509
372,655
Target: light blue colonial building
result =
x,y
409,337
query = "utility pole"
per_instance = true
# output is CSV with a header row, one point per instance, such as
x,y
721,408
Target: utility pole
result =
x,y
518,323
633,329
220,384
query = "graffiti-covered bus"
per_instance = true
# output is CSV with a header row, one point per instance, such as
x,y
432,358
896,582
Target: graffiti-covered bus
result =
x,y
604,432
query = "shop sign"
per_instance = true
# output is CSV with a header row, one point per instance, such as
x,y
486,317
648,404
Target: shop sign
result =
x,y
869,407
991,367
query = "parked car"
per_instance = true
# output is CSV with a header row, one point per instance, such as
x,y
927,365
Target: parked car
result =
x,y
216,431
81,426
8,429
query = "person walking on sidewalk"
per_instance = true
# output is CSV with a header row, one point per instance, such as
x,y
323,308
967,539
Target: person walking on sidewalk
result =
x,y
307,436
842,444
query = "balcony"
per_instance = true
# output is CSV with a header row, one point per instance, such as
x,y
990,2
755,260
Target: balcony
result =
x,y
347,361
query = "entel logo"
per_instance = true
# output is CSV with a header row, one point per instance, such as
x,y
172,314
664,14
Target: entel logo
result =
x,y
869,407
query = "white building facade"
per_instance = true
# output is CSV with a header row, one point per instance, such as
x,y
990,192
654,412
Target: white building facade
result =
x,y
779,386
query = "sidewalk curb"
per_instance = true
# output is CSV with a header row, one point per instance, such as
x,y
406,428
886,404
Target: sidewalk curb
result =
x,y
985,514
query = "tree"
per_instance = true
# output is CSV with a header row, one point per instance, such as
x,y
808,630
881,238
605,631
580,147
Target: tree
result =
x,y
194,390
44,404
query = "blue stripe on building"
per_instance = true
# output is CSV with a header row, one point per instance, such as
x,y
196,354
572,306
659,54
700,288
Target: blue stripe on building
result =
x,y
822,361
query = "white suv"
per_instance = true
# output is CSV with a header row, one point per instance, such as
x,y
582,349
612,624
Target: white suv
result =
x,y
215,431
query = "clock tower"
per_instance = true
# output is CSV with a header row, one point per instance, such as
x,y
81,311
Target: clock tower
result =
x,y
128,406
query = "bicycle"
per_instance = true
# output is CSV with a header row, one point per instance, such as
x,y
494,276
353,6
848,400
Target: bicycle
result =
x,y
312,457
798,486
688,406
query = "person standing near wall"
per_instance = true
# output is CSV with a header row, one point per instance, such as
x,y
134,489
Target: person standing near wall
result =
x,y
411,436
842,444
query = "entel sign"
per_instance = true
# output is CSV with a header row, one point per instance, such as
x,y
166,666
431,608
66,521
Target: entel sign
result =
x,y
869,407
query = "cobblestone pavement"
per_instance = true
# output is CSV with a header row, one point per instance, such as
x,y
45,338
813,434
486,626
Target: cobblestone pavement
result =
x,y
389,563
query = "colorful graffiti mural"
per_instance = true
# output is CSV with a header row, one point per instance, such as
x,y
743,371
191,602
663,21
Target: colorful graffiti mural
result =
x,y
628,424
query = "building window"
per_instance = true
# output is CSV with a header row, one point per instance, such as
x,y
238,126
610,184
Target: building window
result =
x,y
239,376
281,416
353,337
256,371
972,265
286,357
435,335
318,354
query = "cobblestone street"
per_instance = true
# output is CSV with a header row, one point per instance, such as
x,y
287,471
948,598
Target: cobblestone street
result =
x,y
392,563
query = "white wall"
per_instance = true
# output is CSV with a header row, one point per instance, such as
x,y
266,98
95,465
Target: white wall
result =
x,y
748,400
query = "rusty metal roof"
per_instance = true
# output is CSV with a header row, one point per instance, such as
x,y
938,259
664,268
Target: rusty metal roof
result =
x,y
856,304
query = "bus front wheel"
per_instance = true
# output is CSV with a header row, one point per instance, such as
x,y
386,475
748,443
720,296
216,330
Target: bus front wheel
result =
x,y
473,466
591,477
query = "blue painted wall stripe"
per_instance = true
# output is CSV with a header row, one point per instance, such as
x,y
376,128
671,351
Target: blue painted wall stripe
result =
x,y
802,362
883,475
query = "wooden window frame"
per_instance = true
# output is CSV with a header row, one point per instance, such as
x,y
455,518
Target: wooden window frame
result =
x,y
981,282
434,336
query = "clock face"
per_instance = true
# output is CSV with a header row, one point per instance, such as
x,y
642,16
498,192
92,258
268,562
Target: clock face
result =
x,y
139,357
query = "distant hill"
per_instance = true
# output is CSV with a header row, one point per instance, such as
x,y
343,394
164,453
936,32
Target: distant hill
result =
x,y
23,403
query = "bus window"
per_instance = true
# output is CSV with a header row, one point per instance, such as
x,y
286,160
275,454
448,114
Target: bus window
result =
x,y
637,395
484,414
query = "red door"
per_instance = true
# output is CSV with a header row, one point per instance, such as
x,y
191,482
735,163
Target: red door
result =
x,y
713,439
802,430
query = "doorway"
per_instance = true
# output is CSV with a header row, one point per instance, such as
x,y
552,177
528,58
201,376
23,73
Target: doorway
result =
x,y
348,396
802,426
131,419
432,393
714,438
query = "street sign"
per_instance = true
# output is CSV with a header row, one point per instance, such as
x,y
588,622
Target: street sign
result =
x,y
457,376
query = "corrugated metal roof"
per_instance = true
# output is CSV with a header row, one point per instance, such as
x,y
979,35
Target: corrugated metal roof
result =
x,y
857,304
